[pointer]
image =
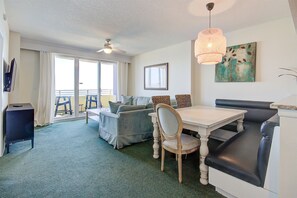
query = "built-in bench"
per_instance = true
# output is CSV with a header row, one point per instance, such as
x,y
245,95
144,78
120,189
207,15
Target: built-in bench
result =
x,y
257,113
242,165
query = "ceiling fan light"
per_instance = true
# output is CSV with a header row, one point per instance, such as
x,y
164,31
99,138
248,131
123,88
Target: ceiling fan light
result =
x,y
210,46
107,50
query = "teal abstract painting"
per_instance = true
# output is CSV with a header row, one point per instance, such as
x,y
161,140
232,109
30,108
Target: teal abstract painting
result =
x,y
238,65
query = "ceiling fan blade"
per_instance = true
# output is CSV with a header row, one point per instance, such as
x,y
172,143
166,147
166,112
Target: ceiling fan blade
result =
x,y
101,50
119,51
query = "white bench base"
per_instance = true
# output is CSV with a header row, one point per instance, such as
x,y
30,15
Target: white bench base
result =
x,y
231,187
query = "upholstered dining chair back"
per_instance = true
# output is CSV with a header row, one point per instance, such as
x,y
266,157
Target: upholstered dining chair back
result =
x,y
160,99
170,122
183,100
172,138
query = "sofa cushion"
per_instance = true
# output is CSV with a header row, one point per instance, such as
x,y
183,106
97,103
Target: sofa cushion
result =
x,y
141,100
127,99
123,108
114,106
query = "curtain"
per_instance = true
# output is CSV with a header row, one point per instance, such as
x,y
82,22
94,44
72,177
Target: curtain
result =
x,y
122,88
46,97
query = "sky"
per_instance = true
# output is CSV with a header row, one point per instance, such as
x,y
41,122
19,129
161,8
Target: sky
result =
x,y
88,73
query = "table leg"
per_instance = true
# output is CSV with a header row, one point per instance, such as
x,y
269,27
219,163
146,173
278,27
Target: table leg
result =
x,y
156,138
87,117
240,125
203,153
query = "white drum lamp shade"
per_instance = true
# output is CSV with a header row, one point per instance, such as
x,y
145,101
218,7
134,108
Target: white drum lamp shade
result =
x,y
210,46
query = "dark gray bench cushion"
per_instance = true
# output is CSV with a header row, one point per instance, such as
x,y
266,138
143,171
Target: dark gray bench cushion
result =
x,y
245,155
267,129
238,155
257,111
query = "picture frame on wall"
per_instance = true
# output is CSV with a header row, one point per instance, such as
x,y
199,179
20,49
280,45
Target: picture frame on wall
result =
x,y
238,65
156,77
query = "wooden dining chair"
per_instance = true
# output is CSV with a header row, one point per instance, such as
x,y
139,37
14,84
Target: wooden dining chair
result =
x,y
183,100
172,138
160,99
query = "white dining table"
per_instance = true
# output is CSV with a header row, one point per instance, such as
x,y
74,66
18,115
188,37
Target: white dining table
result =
x,y
203,120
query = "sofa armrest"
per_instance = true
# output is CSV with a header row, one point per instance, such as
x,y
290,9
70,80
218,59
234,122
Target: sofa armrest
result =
x,y
108,122
135,122
108,114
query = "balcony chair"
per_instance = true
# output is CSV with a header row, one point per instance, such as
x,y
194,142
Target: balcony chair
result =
x,y
90,99
171,126
63,101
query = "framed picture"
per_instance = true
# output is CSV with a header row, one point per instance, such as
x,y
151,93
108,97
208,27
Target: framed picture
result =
x,y
238,65
156,77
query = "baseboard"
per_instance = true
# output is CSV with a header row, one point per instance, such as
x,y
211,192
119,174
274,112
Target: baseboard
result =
x,y
224,193
233,187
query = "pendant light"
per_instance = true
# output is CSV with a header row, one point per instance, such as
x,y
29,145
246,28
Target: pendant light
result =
x,y
210,45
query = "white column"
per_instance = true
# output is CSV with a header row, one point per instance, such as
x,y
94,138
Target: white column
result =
x,y
287,110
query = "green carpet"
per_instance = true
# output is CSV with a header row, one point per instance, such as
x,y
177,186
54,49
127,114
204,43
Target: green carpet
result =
x,y
69,160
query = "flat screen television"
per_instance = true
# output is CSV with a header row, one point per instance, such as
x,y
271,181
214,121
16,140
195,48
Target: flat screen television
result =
x,y
9,76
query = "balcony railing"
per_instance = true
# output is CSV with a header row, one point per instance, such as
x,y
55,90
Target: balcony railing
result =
x,y
83,92
68,95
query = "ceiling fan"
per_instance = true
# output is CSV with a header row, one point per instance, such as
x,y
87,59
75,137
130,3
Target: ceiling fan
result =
x,y
108,48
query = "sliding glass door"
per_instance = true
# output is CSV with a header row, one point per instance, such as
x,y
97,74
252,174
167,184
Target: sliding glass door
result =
x,y
108,83
88,85
83,84
64,85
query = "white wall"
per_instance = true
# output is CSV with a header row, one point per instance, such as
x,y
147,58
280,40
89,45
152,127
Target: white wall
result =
x,y
4,31
15,52
27,73
179,70
27,79
276,47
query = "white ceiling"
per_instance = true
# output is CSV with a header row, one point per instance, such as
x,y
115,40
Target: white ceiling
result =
x,y
136,26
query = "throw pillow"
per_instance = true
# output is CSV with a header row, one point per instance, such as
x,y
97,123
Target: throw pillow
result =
x,y
123,108
127,99
143,100
114,106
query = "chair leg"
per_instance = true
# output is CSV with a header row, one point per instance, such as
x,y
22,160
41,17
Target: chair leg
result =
x,y
70,108
162,159
57,105
86,107
180,177
56,110
96,101
65,105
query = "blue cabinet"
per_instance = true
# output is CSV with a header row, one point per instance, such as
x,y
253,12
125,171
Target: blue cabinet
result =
x,y
19,124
